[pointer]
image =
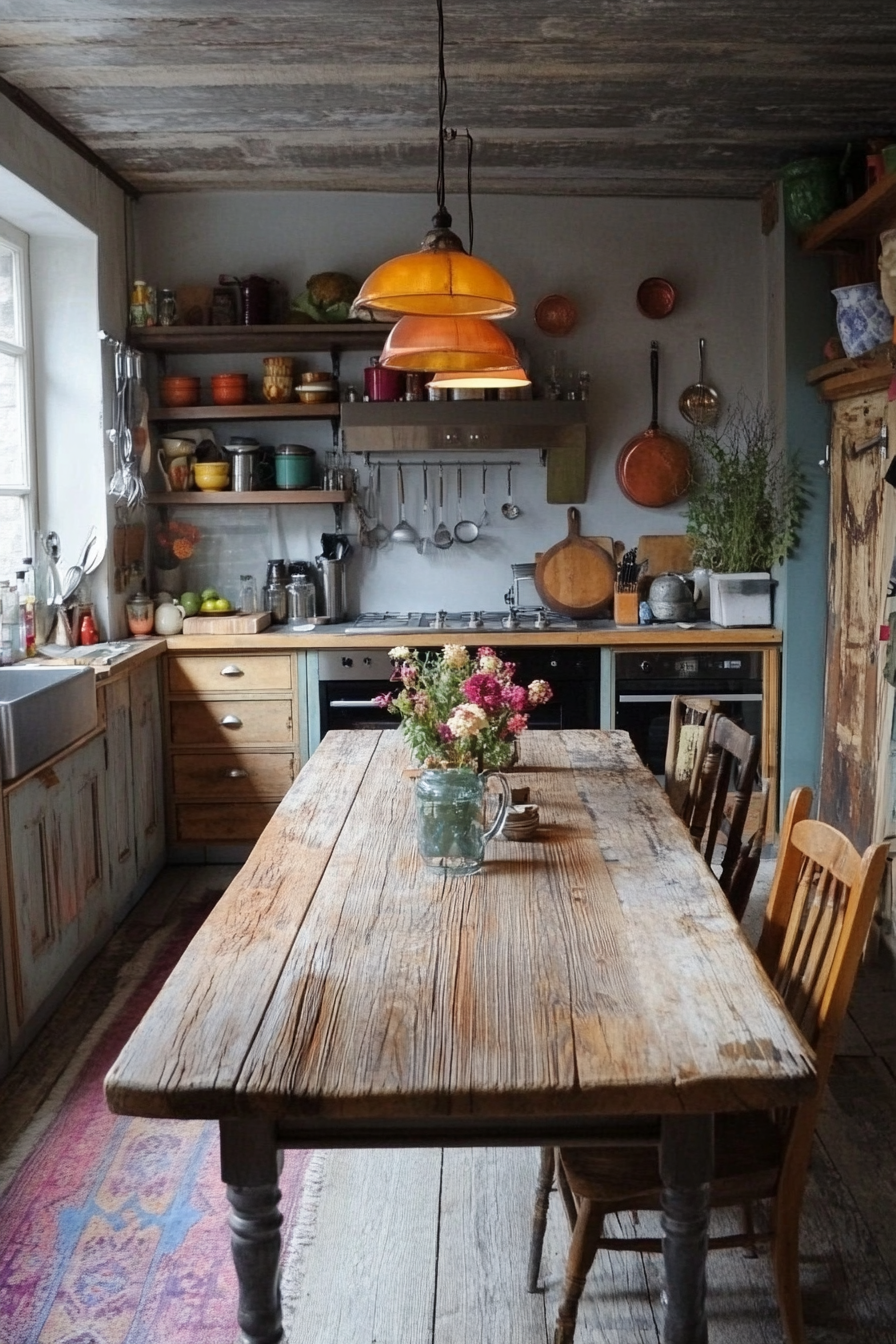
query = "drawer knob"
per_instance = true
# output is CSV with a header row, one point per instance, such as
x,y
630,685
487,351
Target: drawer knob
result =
x,y
230,721
236,773
231,670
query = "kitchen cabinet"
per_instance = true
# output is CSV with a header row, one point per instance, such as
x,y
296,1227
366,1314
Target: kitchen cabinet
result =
x,y
851,234
57,818
233,743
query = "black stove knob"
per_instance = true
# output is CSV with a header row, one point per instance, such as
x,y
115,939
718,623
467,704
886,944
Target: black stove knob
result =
x,y
348,662
646,666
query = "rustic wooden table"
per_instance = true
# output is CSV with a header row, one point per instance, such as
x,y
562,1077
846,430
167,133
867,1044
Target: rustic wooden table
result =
x,y
341,996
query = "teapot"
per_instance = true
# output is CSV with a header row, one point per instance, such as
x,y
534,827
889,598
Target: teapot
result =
x,y
169,618
671,598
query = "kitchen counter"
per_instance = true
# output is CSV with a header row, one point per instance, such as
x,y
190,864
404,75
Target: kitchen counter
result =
x,y
599,633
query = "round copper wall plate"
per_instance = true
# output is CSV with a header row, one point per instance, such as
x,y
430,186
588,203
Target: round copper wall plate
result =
x,y
656,297
556,315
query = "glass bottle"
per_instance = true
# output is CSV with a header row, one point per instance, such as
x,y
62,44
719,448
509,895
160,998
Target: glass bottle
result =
x,y
167,308
584,385
248,594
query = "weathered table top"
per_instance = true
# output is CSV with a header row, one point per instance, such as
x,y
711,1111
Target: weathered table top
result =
x,y
595,970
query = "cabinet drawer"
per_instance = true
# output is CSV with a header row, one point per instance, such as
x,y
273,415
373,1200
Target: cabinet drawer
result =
x,y
223,823
218,723
233,775
226,672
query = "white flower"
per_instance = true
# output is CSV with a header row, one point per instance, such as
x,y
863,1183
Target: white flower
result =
x,y
455,655
400,654
467,720
490,663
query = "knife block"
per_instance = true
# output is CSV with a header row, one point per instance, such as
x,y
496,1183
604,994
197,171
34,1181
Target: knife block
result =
x,y
625,608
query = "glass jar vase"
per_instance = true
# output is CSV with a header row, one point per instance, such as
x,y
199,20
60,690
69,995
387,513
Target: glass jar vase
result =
x,y
451,825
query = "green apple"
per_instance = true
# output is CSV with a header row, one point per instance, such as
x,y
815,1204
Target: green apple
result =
x,y
209,594
210,605
191,602
220,604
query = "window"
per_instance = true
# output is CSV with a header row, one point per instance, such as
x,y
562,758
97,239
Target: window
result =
x,y
16,416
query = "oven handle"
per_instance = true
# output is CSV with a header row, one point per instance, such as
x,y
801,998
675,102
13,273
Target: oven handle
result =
x,y
353,704
726,696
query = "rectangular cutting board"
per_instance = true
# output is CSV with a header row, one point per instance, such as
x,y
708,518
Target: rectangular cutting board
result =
x,y
227,625
665,553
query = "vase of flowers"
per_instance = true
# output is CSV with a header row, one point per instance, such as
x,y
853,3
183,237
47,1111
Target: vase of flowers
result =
x,y
461,717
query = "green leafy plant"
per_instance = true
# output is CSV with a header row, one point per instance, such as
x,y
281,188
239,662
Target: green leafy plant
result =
x,y
747,499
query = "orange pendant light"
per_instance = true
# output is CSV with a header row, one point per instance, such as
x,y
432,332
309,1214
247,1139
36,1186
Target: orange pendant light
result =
x,y
493,378
442,279
448,345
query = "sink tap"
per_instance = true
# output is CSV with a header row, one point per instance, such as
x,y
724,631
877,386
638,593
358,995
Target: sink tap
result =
x,y
542,620
475,621
511,621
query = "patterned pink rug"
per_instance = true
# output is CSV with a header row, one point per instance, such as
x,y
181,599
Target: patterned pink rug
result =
x,y
114,1230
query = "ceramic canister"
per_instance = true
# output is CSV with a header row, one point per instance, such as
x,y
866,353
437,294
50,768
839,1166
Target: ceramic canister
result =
x,y
293,466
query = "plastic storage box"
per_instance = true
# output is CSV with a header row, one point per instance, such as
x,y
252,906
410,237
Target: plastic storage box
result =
x,y
740,599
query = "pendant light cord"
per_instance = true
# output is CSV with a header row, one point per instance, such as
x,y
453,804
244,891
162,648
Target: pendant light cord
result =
x,y
443,103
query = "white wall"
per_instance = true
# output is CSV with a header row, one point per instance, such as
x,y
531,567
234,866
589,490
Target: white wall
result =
x,y
76,220
594,250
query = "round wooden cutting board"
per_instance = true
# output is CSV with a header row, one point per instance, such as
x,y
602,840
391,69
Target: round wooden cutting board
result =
x,y
575,576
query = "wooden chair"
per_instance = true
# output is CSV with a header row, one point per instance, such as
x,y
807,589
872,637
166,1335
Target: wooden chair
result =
x,y
689,717
729,766
820,907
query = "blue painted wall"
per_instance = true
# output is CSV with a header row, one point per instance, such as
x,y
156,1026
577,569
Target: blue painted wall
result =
x,y
802,594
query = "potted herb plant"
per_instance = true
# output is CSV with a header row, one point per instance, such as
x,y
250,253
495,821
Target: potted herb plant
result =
x,y
744,509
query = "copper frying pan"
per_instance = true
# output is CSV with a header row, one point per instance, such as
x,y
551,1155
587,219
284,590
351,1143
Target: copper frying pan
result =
x,y
654,468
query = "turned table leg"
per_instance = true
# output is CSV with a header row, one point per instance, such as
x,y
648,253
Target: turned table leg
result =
x,y
250,1164
686,1163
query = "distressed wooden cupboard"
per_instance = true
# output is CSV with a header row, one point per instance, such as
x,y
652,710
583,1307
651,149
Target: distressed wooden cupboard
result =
x,y
233,743
83,836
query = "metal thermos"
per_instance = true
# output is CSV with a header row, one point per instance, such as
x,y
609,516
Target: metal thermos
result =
x,y
332,581
244,459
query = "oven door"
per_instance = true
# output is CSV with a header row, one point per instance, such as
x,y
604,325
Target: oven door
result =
x,y
349,704
643,711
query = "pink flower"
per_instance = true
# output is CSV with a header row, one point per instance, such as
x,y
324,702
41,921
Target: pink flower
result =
x,y
445,732
483,690
382,701
517,723
517,697
508,672
539,692
409,673
421,704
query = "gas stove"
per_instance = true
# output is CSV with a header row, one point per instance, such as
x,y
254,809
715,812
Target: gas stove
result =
x,y
468,623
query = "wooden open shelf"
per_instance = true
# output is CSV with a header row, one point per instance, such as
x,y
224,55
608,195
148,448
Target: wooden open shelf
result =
x,y
204,497
268,340
281,410
847,229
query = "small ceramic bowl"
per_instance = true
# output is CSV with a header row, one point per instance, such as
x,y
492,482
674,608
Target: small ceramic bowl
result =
x,y
212,475
230,389
179,391
315,392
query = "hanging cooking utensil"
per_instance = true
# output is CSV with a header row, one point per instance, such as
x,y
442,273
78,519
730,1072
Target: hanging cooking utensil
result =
x,y
576,576
402,531
699,403
508,508
654,468
442,537
465,529
425,543
379,533
484,519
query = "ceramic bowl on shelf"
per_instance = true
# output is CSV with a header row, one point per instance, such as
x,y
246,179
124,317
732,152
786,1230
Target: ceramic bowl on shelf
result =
x,y
863,319
212,475
179,390
310,393
230,389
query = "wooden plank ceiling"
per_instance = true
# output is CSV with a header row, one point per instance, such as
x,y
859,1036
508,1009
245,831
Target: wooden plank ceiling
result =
x,y
614,97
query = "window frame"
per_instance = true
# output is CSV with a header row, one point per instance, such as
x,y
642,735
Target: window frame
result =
x,y
18,242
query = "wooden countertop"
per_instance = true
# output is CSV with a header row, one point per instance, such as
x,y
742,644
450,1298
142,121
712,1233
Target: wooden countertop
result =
x,y
276,638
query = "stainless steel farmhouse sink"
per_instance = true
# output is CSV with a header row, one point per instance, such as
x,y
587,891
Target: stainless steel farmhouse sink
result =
x,y
42,710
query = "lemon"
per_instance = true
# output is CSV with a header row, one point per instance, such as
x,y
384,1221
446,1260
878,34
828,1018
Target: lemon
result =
x,y
220,604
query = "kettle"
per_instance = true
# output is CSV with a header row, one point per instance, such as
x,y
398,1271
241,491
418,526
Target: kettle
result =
x,y
671,598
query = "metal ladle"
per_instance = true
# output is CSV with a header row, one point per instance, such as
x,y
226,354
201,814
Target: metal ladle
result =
x,y
465,529
379,533
442,537
699,403
509,509
402,531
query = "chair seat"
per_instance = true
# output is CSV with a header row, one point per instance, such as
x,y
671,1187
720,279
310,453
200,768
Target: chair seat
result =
x,y
748,1150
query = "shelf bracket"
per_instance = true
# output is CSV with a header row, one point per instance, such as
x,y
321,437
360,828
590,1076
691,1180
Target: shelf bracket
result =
x,y
543,456
335,361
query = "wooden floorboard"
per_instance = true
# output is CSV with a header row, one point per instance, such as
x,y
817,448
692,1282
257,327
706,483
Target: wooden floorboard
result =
x,y
424,1247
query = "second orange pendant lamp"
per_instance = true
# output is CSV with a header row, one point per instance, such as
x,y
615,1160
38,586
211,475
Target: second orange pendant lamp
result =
x,y
443,295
